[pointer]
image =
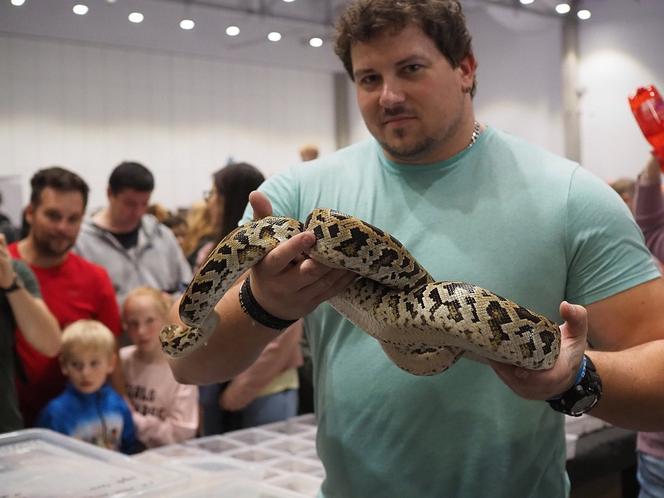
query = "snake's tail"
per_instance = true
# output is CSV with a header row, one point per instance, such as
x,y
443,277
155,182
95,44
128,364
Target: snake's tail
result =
x,y
177,341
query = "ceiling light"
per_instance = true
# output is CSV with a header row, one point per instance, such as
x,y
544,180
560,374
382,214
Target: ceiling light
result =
x,y
232,31
583,14
289,1
80,9
274,36
17,3
135,17
526,2
563,8
316,42
187,24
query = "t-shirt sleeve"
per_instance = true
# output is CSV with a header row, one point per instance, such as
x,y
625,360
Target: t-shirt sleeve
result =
x,y
282,190
27,277
605,249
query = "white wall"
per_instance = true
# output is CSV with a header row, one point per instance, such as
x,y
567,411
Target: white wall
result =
x,y
621,49
89,107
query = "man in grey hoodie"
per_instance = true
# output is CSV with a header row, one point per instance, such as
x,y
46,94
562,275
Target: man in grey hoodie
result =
x,y
133,246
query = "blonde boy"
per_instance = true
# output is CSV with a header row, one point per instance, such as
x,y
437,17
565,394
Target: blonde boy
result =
x,y
89,409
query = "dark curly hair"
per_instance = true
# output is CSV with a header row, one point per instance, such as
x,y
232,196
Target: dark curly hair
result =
x,y
442,20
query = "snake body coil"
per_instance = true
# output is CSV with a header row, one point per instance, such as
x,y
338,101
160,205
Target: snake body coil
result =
x,y
422,325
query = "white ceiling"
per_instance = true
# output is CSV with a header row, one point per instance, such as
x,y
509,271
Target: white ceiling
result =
x,y
106,23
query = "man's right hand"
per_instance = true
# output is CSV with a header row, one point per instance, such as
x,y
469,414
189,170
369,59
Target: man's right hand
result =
x,y
288,284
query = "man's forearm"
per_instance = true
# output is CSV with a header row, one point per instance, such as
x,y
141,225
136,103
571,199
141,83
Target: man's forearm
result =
x,y
633,397
36,322
233,347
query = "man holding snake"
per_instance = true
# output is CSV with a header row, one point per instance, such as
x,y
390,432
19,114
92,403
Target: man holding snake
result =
x,y
472,204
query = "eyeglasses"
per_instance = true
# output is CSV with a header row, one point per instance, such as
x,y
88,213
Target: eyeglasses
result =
x,y
207,195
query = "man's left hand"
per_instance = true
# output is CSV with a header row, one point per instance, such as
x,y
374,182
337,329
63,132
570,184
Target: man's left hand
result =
x,y
545,384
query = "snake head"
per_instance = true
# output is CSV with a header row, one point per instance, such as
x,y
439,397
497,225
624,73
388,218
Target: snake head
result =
x,y
176,340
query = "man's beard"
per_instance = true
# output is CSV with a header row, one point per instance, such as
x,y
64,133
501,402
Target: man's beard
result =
x,y
46,246
409,152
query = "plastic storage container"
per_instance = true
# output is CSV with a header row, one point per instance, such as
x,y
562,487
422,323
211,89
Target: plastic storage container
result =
x,y
43,463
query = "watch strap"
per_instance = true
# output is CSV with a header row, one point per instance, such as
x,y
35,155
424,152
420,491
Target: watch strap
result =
x,y
583,395
15,285
256,312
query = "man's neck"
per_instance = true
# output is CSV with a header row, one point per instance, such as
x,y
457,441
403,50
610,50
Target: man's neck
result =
x,y
104,220
30,254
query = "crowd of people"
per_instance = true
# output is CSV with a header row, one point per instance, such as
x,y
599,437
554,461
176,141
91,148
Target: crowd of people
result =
x,y
84,298
440,181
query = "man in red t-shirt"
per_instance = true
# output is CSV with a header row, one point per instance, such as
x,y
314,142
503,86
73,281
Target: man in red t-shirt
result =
x,y
73,288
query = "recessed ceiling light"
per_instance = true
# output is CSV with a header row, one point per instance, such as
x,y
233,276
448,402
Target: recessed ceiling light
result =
x,y
274,36
289,1
563,8
526,2
135,17
187,24
17,3
583,14
316,42
232,31
80,9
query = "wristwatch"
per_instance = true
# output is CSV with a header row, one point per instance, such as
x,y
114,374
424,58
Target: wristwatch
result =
x,y
583,395
15,285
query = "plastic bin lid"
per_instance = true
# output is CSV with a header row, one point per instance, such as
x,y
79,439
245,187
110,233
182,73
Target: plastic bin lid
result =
x,y
43,463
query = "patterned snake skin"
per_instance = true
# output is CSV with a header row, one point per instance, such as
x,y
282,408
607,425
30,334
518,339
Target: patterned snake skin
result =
x,y
423,326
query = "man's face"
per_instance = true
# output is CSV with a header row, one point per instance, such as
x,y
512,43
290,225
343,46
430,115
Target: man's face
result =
x,y
412,100
55,221
127,207
87,369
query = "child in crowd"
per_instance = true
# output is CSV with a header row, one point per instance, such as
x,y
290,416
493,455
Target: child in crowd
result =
x,y
89,409
164,411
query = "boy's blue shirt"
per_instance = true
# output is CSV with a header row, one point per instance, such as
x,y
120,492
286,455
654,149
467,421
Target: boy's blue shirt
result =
x,y
102,418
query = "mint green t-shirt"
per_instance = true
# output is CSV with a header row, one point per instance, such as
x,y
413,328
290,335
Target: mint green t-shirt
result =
x,y
504,215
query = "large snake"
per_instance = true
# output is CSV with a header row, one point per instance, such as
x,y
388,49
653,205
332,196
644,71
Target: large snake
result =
x,y
422,325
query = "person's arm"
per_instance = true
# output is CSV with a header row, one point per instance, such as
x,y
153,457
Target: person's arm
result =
x,y
649,207
32,316
284,283
179,424
274,359
627,334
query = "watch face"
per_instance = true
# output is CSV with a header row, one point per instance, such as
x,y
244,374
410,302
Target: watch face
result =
x,y
584,404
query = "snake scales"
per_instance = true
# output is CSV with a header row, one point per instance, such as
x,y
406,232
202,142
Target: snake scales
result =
x,y
423,326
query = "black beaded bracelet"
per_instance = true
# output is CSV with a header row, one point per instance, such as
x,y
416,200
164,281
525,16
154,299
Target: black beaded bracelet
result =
x,y
254,310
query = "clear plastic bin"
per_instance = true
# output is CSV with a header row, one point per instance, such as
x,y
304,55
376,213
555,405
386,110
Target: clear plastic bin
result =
x,y
169,453
297,465
290,427
298,483
290,445
217,444
239,489
251,436
306,419
40,462
254,455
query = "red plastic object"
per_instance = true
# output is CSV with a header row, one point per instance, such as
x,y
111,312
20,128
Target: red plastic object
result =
x,y
648,109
